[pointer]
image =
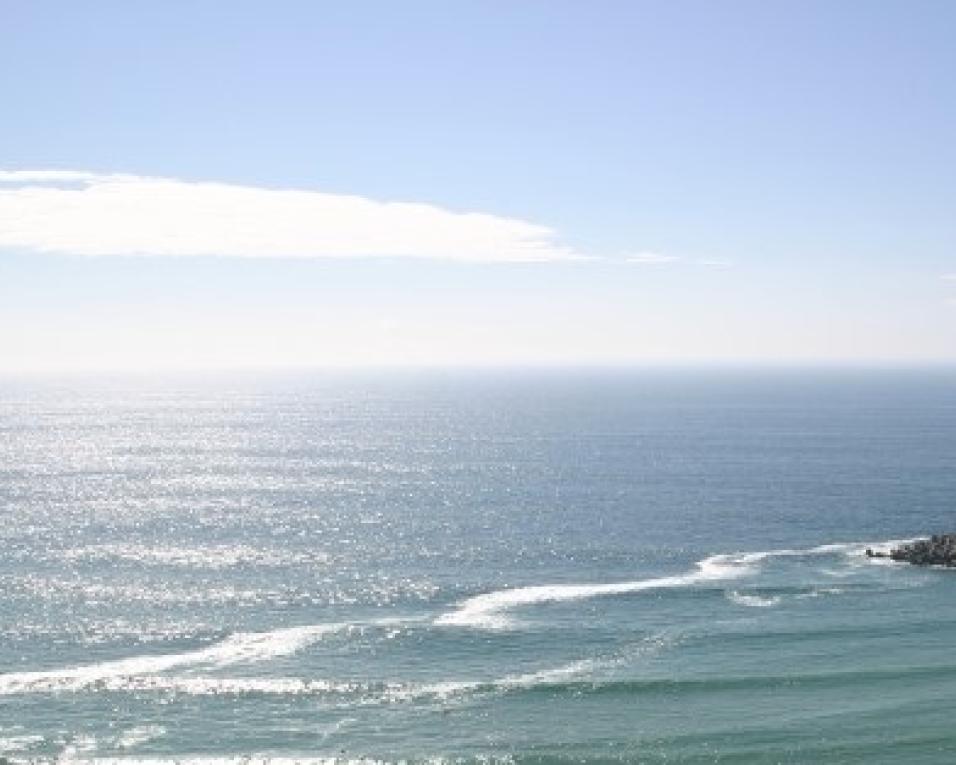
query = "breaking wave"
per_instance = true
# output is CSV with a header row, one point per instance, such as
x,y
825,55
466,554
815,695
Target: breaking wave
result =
x,y
491,610
240,648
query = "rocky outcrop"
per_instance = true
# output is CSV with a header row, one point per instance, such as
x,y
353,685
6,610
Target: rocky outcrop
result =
x,y
938,550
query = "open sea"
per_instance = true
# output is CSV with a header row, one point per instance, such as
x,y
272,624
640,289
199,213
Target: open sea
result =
x,y
477,567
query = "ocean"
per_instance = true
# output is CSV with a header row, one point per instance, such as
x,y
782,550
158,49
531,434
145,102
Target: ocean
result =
x,y
649,566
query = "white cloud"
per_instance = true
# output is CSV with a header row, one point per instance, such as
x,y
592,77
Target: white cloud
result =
x,y
81,213
948,277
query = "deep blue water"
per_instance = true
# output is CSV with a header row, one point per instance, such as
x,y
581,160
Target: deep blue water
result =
x,y
647,566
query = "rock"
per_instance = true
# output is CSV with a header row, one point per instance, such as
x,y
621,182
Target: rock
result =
x,y
938,550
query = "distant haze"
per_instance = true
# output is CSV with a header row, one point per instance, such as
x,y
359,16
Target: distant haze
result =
x,y
229,185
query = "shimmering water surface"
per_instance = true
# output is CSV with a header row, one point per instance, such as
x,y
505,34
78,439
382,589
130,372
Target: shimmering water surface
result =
x,y
477,567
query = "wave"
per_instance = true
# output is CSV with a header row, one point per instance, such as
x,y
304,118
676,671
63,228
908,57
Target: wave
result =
x,y
752,601
556,676
268,760
359,693
203,685
568,680
818,592
240,648
834,679
576,673
490,610
139,735
105,678
576,678
19,743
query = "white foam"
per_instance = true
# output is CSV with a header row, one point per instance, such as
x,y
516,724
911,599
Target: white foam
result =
x,y
19,743
819,592
253,759
200,685
489,611
266,759
543,677
553,675
82,743
752,601
852,549
243,647
139,735
450,689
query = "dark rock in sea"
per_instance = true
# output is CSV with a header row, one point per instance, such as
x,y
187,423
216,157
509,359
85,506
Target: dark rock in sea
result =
x,y
938,550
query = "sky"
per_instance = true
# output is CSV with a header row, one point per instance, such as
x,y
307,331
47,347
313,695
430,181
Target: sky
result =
x,y
226,183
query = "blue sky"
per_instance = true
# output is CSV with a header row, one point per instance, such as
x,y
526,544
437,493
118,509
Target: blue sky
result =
x,y
735,181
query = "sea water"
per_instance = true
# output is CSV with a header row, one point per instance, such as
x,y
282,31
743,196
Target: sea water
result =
x,y
529,567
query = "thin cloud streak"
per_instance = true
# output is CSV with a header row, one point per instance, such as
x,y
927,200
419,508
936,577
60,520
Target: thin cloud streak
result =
x,y
660,259
81,213
651,258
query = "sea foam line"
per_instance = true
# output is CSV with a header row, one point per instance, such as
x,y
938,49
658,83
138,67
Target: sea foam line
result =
x,y
365,693
254,759
240,648
490,610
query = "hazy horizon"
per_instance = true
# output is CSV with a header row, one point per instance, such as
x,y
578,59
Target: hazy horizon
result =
x,y
224,185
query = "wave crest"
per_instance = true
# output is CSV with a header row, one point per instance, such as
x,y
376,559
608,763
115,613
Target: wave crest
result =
x,y
491,610
240,648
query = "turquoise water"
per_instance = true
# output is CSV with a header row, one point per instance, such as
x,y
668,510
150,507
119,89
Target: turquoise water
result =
x,y
477,567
